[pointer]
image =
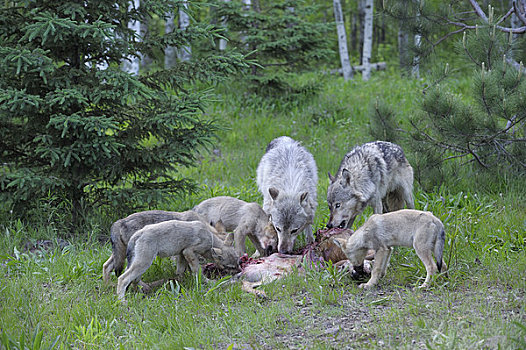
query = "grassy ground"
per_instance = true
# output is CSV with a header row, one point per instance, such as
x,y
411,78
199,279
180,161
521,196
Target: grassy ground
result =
x,y
57,295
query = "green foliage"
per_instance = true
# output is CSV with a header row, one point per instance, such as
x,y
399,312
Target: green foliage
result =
x,y
487,128
74,125
281,36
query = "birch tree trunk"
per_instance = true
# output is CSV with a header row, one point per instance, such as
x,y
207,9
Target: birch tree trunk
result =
x,y
185,52
146,60
403,50
415,71
367,40
342,41
170,52
222,42
132,63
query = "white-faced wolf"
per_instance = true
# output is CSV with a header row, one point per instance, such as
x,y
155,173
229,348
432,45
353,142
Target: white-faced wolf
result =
x,y
123,229
376,174
185,240
243,219
287,177
409,228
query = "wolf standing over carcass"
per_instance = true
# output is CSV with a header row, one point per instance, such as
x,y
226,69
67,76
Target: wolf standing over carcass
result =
x,y
287,177
243,219
185,240
376,174
122,230
408,228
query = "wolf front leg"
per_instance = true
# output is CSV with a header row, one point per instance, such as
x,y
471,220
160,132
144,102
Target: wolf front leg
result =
x,y
193,261
309,237
381,258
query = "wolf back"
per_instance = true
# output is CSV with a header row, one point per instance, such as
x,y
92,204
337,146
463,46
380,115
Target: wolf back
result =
x,y
376,174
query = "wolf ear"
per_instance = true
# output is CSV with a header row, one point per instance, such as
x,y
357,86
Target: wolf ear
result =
x,y
216,252
340,242
332,178
274,192
304,196
346,174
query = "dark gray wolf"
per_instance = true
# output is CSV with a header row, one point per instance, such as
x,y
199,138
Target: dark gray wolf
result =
x,y
123,229
287,177
376,174
407,227
243,219
185,240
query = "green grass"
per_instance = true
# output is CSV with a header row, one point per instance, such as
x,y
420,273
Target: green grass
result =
x,y
56,297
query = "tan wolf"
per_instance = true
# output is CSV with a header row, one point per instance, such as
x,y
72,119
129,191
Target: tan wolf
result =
x,y
243,219
123,229
376,174
407,227
185,240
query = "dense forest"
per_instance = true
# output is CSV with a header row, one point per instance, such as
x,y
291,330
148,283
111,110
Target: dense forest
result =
x,y
109,108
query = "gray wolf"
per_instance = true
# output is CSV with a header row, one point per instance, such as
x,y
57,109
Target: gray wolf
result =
x,y
407,227
186,240
287,177
123,229
376,174
243,219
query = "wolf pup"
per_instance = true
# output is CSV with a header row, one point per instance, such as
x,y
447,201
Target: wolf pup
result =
x,y
287,177
243,219
186,240
123,229
407,227
375,174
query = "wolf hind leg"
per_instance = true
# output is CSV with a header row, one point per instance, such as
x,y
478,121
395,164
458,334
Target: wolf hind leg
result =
x,y
107,268
425,254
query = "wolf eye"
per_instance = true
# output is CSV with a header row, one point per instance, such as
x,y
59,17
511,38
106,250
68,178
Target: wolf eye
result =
x,y
337,205
294,231
278,229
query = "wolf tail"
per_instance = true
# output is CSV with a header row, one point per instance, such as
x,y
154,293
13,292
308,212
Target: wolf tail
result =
x,y
118,249
439,248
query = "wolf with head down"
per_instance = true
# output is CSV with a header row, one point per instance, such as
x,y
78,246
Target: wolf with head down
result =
x,y
375,174
287,177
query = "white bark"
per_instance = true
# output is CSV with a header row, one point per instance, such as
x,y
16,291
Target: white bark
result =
x,y
170,52
185,52
132,63
247,4
403,51
222,42
342,41
367,40
415,72
146,60
416,60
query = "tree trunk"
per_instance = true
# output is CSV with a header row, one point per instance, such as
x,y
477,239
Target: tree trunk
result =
x,y
361,25
185,52
222,42
146,60
342,41
170,52
131,65
403,50
368,40
415,71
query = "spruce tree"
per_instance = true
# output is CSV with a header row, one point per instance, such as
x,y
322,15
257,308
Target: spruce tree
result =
x,y
283,36
74,125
